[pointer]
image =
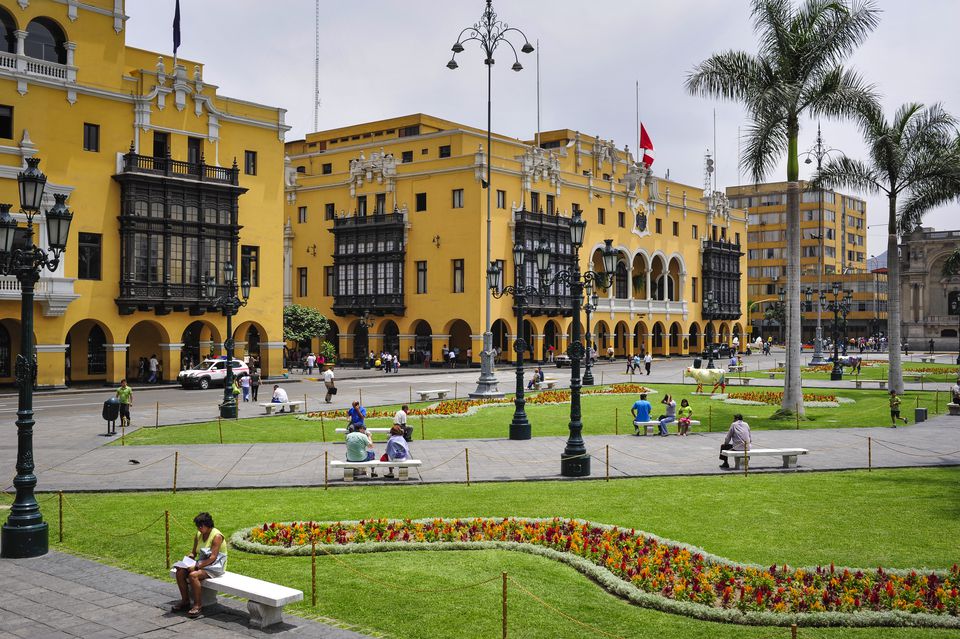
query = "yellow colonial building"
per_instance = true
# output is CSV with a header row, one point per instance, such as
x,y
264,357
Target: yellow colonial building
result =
x,y
168,181
386,225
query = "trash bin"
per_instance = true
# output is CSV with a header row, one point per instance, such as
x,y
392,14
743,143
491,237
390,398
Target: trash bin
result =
x,y
919,414
111,412
697,362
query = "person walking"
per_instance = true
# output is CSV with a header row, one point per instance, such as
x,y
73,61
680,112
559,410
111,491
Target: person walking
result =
x,y
245,387
328,378
738,438
154,367
254,383
895,409
647,361
311,361
125,397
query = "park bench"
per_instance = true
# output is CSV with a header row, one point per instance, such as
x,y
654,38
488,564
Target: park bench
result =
x,y
265,600
744,381
290,406
929,359
954,409
649,426
546,382
775,374
350,467
789,455
441,393
881,383
735,369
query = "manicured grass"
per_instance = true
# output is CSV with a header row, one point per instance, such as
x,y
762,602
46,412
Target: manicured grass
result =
x,y
935,372
605,414
893,518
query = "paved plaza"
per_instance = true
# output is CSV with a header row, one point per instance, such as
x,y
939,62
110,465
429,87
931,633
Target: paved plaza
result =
x,y
64,596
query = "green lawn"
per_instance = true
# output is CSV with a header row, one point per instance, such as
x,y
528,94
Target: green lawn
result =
x,y
935,372
894,518
602,415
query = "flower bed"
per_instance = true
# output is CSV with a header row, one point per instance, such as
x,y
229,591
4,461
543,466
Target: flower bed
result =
x,y
651,571
459,407
774,398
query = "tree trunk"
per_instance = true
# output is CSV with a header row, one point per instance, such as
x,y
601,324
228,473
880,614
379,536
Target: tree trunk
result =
x,y
792,388
895,373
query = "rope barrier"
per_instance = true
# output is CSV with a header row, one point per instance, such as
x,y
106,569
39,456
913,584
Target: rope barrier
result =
x,y
426,470
652,461
117,472
902,452
110,533
560,612
231,472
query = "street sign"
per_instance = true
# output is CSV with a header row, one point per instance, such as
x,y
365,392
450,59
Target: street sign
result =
x,y
953,302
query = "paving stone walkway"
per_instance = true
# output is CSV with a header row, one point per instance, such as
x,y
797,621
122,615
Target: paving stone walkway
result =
x,y
59,596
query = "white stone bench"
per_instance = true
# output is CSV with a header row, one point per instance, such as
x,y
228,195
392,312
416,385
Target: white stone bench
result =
x,y
548,382
881,383
291,406
649,426
371,431
349,467
789,455
954,409
928,360
265,600
744,381
441,393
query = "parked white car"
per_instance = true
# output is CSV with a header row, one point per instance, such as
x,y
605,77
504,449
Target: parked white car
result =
x,y
210,372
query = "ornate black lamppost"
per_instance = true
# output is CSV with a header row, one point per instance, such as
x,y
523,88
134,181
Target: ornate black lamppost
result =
x,y
25,533
840,306
710,307
592,301
229,304
364,324
520,425
489,32
574,462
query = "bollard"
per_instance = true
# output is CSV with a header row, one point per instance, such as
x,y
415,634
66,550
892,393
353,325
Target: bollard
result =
x,y
503,601
616,421
157,423
304,404
608,462
869,454
422,437
361,396
220,429
313,572
793,631
326,467
936,406
466,452
798,416
60,499
411,394
710,419
176,463
166,536
746,458
323,432
601,378
455,390
123,434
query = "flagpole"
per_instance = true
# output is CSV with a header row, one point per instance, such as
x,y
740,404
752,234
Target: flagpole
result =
x,y
538,93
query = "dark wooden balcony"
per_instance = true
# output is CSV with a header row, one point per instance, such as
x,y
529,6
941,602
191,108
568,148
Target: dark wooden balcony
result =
x,y
378,304
168,167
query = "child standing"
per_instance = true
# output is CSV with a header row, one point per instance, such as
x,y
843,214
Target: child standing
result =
x,y
685,412
895,409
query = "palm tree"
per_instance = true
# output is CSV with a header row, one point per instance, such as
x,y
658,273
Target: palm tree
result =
x,y
914,155
798,71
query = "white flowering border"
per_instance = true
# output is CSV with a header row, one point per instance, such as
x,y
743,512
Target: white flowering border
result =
x,y
472,410
618,586
750,402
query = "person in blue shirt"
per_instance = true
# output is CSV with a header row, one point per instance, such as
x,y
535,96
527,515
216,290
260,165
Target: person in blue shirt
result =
x,y
641,412
357,414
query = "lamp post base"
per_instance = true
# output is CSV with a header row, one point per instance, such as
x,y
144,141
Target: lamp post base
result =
x,y
487,385
520,427
575,466
588,378
20,542
228,410
836,374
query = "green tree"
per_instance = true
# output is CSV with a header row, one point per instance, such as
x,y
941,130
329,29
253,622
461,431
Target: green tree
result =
x,y
301,323
797,72
915,156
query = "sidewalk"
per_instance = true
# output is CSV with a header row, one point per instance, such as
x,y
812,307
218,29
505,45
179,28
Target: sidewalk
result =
x,y
59,595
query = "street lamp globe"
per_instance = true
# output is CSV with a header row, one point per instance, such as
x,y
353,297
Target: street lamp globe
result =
x,y
8,229
493,276
578,226
245,289
58,224
518,254
210,286
31,182
609,258
543,258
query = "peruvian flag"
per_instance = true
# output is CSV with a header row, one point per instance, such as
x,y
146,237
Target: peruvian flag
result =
x,y
646,144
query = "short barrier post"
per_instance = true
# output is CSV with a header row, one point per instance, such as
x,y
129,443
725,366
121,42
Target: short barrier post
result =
x,y
869,454
503,602
361,396
793,631
616,421
798,416
601,378
220,429
466,452
710,418
411,394
157,422
166,536
422,437
60,499
176,464
608,462
746,458
123,434
326,467
936,406
313,572
455,390
304,404
323,432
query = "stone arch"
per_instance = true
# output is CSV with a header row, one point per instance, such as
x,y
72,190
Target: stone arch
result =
x,y
333,336
675,338
639,275
674,269
602,337
46,40
621,282
723,334
500,329
144,339
248,336
391,336
86,357
199,339
709,334
551,337
422,338
596,264
738,333
640,335
695,337
8,25
658,270
658,339
621,339
459,332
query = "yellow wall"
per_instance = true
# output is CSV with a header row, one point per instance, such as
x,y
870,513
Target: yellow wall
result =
x,y
110,78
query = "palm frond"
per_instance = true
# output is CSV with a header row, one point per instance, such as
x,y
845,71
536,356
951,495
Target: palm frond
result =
x,y
849,174
837,28
729,76
766,141
840,93
770,22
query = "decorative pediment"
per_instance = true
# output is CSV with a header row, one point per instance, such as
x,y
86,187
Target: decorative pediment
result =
x,y
604,151
540,165
381,167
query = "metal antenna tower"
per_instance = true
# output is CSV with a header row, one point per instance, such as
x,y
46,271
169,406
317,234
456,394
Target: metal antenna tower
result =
x,y
316,66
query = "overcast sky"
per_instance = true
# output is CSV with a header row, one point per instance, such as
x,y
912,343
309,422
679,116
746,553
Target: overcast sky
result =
x,y
384,58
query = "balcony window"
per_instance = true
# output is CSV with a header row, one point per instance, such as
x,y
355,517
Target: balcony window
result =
x,y
45,41
6,122
250,264
194,152
421,204
91,137
89,256
458,198
8,41
250,162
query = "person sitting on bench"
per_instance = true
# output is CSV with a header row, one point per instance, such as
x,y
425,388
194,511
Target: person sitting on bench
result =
x,y
955,391
211,561
641,412
397,448
279,396
738,437
360,447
